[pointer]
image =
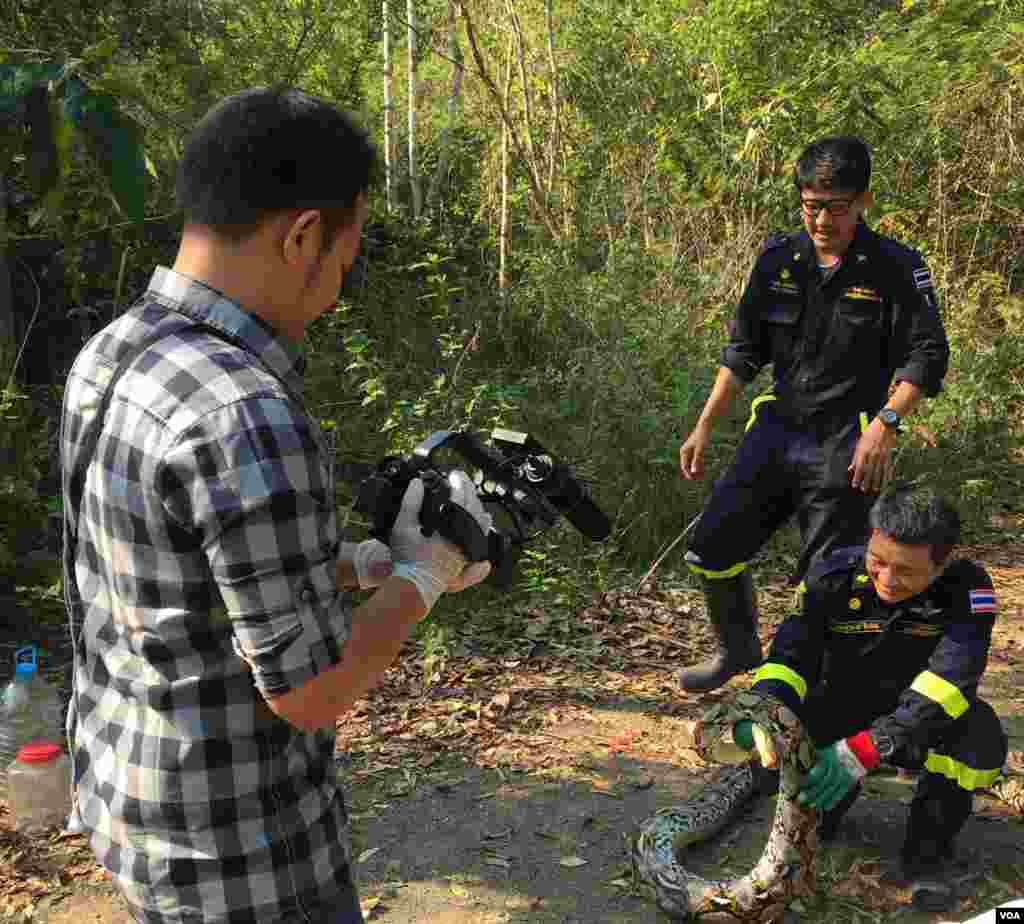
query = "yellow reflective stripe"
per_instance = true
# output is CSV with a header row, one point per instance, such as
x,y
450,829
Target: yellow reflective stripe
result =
x,y
754,405
965,777
942,692
717,575
772,671
863,421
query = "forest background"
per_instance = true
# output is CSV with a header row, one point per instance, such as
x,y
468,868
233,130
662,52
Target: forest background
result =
x,y
576,191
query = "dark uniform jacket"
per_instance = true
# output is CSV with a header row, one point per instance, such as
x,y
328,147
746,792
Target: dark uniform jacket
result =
x,y
836,343
912,669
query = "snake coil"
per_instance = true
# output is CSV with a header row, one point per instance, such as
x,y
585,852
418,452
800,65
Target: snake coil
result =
x,y
786,868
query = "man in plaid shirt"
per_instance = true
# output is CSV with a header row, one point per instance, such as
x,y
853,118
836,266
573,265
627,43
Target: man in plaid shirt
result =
x,y
215,645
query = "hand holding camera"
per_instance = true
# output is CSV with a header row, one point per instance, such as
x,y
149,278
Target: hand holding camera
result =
x,y
517,479
431,562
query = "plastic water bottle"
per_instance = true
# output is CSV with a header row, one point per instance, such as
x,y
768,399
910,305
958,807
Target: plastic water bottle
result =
x,y
30,710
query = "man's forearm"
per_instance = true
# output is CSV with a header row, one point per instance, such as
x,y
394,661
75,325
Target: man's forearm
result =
x,y
380,627
905,397
345,570
727,386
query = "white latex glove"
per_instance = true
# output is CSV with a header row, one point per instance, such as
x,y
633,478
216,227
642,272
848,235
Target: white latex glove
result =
x,y
371,562
464,494
431,563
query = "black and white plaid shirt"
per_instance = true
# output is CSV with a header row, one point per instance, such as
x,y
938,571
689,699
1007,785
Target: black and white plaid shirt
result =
x,y
207,540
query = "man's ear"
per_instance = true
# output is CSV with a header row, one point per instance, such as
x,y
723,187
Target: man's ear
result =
x,y
303,233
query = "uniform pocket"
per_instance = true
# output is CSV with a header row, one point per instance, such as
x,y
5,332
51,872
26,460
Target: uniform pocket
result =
x,y
782,313
779,329
859,313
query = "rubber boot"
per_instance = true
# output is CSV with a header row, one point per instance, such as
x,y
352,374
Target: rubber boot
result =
x,y
939,810
732,610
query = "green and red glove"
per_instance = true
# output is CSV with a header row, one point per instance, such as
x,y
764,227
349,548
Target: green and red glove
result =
x,y
839,768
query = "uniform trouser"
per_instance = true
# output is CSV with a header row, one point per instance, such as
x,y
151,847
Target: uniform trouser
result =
x,y
965,756
780,470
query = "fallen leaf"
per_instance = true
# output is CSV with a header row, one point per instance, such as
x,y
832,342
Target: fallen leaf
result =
x,y
366,854
497,835
370,906
572,862
457,890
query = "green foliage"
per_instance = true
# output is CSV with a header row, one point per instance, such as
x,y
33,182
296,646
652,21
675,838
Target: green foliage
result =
x,y
22,459
662,136
52,104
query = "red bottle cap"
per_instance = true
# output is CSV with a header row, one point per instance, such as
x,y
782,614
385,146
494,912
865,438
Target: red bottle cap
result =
x,y
38,752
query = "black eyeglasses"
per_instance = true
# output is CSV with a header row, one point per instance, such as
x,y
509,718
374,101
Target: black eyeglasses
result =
x,y
837,208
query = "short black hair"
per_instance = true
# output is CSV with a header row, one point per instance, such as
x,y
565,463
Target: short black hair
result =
x,y
917,515
840,162
267,150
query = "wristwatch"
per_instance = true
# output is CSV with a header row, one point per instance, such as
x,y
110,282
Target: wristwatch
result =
x,y
890,418
884,745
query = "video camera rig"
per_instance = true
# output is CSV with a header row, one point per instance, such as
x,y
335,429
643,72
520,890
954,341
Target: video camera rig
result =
x,y
521,484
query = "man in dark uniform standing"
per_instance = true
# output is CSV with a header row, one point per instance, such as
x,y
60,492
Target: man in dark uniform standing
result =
x,y
841,313
882,666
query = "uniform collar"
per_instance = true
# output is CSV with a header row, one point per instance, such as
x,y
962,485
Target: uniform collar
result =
x,y
857,254
207,306
922,602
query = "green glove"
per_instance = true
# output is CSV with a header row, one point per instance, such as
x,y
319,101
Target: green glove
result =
x,y
743,734
839,768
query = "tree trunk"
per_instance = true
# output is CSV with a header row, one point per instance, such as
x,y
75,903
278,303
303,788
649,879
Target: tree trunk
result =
x,y
556,122
503,221
517,30
414,177
533,176
555,152
8,344
444,143
387,104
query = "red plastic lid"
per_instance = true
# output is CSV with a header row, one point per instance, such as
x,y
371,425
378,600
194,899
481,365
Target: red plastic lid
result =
x,y
38,752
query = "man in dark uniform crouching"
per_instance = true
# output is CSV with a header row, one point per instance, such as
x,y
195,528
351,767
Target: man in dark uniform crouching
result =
x,y
882,665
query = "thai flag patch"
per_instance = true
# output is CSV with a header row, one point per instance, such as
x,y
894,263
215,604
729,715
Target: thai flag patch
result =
x,y
923,278
983,601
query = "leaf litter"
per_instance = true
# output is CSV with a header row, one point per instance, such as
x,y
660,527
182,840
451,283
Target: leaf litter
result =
x,y
526,696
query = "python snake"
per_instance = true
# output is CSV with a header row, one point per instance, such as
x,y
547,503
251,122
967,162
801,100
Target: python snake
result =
x,y
786,869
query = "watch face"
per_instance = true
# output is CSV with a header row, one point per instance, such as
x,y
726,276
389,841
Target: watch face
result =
x,y
889,417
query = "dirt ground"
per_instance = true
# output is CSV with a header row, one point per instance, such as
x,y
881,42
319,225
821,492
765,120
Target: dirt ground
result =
x,y
500,787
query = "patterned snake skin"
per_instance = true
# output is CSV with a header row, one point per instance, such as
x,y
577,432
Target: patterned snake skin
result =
x,y
786,868
1009,789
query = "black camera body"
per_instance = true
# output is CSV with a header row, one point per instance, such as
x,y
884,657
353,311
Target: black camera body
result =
x,y
523,485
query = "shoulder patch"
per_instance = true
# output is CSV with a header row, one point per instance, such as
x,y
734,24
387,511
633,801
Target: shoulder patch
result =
x,y
983,601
